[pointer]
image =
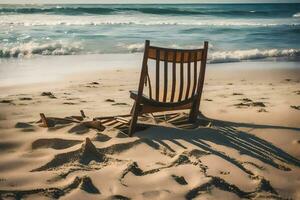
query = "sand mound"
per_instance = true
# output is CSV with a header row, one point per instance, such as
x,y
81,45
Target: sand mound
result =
x,y
101,138
137,171
84,127
23,125
84,155
121,147
54,143
217,182
83,183
88,186
118,197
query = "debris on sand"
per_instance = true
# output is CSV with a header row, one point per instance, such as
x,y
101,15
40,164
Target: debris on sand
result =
x,y
179,179
246,102
262,110
94,83
237,94
109,100
23,125
25,98
119,104
48,94
296,107
6,101
297,92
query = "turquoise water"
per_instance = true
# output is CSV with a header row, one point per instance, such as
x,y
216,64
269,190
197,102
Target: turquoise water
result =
x,y
236,32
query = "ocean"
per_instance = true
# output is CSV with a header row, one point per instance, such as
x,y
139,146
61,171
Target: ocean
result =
x,y
236,32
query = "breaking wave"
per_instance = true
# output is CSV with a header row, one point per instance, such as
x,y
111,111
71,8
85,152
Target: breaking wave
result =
x,y
143,9
214,56
297,14
252,54
32,48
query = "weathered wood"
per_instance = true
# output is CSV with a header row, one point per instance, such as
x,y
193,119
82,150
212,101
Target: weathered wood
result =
x,y
44,120
111,117
195,108
195,76
192,95
122,120
154,54
181,78
82,114
173,77
165,77
157,76
188,78
136,105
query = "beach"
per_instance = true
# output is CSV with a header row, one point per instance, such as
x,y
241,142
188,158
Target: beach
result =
x,y
246,144
65,75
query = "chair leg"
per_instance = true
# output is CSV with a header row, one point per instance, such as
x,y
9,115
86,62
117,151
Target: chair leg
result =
x,y
193,113
134,118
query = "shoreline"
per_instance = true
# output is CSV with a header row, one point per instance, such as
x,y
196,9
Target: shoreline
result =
x,y
51,69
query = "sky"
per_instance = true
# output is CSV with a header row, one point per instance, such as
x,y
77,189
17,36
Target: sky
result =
x,y
141,1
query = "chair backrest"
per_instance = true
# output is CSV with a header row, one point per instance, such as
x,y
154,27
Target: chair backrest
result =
x,y
178,74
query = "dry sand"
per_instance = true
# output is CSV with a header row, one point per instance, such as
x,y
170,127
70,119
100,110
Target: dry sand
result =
x,y
246,144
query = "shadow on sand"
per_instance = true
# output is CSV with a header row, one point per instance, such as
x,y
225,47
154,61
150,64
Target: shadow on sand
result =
x,y
224,133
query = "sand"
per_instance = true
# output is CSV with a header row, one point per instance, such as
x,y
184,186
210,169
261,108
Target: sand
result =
x,y
244,145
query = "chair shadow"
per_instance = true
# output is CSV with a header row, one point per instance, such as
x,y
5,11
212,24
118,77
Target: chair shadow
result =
x,y
221,133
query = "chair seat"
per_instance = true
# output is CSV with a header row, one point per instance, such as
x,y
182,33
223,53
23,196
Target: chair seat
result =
x,y
146,100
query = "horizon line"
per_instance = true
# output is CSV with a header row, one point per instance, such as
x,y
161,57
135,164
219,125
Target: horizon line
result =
x,y
149,3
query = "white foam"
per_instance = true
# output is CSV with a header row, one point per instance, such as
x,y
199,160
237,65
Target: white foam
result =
x,y
252,54
52,20
30,48
136,47
296,14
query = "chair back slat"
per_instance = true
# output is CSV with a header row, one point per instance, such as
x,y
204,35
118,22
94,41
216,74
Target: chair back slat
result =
x,y
157,75
178,73
173,76
195,75
165,77
181,77
188,76
149,83
154,54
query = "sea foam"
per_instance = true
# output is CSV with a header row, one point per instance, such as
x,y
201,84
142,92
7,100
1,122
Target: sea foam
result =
x,y
31,48
252,54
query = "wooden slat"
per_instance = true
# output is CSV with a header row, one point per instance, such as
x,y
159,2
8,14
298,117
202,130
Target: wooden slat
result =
x,y
153,54
181,78
188,77
173,77
149,83
195,75
166,77
157,74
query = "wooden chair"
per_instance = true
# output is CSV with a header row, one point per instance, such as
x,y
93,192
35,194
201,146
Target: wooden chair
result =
x,y
184,84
